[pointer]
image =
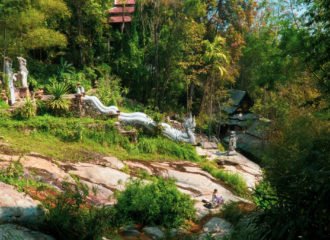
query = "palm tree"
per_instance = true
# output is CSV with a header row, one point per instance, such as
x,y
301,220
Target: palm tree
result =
x,y
217,61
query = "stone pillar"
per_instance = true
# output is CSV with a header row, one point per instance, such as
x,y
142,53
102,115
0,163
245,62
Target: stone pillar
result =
x,y
79,104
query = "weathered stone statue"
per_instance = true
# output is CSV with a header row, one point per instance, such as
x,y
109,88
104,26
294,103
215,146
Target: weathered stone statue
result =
x,y
23,72
23,75
232,143
11,78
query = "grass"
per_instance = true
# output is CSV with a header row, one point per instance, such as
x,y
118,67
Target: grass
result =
x,y
234,181
85,139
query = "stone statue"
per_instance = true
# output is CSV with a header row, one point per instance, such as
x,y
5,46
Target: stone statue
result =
x,y
23,72
11,78
232,143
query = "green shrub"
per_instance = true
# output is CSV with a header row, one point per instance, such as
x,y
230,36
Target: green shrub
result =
x,y
158,202
109,90
70,217
14,175
248,228
232,179
264,195
58,104
27,110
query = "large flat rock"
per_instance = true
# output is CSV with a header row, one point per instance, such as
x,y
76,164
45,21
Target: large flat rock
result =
x,y
247,169
104,176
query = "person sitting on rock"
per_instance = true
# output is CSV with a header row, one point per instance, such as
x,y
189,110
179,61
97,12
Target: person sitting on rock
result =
x,y
216,200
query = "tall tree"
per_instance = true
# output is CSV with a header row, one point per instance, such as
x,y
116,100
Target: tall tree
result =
x,y
31,25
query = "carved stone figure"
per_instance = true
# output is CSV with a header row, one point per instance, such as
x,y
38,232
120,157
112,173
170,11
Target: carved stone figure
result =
x,y
23,72
11,78
168,131
99,105
232,143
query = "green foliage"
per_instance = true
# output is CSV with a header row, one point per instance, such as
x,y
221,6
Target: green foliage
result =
x,y
264,196
14,175
100,135
235,181
296,201
58,104
44,38
109,91
32,25
27,110
165,146
248,228
158,202
3,105
69,217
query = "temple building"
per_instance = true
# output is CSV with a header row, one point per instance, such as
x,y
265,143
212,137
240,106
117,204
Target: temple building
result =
x,y
121,13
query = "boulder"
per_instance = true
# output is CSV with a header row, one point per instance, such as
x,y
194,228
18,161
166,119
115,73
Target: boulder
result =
x,y
17,207
217,225
114,162
11,231
154,232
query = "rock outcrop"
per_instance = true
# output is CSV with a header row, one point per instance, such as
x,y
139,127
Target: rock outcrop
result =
x,y
17,207
11,231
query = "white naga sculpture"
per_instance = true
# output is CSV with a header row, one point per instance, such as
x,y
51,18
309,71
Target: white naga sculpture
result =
x,y
11,78
141,119
99,105
23,72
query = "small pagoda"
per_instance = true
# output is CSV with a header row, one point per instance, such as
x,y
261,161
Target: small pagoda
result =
x,y
121,13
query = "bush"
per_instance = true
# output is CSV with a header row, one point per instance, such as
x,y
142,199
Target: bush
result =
x,y
70,217
158,202
58,104
27,110
109,91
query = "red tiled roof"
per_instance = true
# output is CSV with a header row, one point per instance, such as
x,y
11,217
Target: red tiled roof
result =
x,y
126,2
120,19
116,10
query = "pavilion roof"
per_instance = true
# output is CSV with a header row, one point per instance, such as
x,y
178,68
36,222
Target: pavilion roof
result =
x,y
124,2
119,19
120,10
